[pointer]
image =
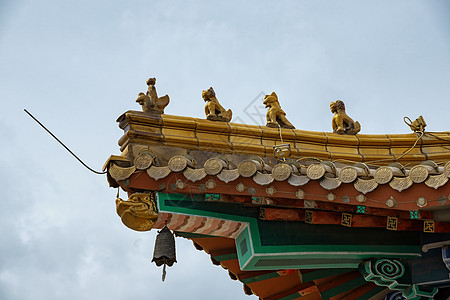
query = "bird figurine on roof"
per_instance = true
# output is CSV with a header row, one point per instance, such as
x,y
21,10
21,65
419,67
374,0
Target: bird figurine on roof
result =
x,y
150,101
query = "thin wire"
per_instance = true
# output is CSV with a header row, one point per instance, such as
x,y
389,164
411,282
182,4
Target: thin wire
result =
x,y
62,144
404,153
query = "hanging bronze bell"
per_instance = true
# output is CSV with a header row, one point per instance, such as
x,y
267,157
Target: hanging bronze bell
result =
x,y
164,252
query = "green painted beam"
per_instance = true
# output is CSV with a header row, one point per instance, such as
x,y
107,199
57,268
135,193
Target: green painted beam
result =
x,y
262,244
225,257
260,277
310,276
293,296
349,285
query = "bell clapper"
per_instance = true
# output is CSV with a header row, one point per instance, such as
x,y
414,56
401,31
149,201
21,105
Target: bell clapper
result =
x,y
164,272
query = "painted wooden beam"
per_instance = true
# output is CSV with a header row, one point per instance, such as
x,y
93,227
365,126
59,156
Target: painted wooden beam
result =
x,y
294,292
255,276
351,208
355,220
341,284
310,275
378,292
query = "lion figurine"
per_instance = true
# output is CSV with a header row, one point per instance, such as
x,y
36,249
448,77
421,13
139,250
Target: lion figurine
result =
x,y
275,115
213,110
341,122
150,101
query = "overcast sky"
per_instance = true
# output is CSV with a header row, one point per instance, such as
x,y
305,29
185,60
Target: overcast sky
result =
x,y
78,65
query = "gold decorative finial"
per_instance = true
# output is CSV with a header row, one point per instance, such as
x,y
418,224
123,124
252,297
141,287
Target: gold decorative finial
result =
x,y
418,125
341,122
150,101
213,110
276,117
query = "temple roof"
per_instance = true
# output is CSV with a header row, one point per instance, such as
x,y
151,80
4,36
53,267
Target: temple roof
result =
x,y
233,138
213,154
263,201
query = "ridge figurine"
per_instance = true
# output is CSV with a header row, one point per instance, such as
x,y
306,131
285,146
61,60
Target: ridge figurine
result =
x,y
213,110
341,122
275,115
150,101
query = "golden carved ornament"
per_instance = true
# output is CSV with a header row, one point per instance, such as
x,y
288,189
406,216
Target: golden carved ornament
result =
x,y
213,110
331,197
300,194
271,190
194,174
315,171
263,179
180,184
228,175
391,223
330,183
150,101
281,172
341,122
400,183
348,174
120,173
143,161
240,187
309,216
436,181
422,202
365,185
391,202
418,173
383,175
276,117
139,212
158,172
428,226
361,198
213,166
210,184
298,180
346,219
249,168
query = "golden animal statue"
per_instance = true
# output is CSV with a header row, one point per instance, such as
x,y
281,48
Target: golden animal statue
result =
x,y
213,110
139,212
150,101
275,115
341,122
